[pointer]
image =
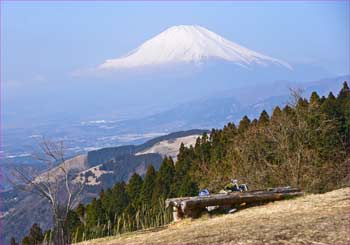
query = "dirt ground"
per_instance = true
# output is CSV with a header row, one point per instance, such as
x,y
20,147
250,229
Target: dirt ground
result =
x,y
321,219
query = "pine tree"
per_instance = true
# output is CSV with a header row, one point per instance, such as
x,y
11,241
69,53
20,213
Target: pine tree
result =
x,y
276,114
164,179
343,101
344,92
264,118
288,111
302,104
230,130
119,199
80,210
94,213
187,187
35,235
133,189
330,106
72,223
315,99
243,124
148,186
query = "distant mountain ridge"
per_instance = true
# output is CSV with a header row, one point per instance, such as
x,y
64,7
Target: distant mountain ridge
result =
x,y
230,106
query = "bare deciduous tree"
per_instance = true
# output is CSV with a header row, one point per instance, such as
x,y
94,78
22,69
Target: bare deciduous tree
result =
x,y
54,185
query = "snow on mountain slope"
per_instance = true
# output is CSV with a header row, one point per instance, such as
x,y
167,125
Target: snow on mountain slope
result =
x,y
170,147
190,43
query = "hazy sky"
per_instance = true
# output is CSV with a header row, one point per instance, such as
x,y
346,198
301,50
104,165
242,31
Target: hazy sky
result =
x,y
43,40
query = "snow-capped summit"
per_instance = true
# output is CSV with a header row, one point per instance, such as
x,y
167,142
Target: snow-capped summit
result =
x,y
190,43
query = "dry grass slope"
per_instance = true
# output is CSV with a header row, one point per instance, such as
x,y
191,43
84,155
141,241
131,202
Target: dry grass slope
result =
x,y
321,219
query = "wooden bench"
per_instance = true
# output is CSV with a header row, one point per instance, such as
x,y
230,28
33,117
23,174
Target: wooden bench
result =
x,y
192,206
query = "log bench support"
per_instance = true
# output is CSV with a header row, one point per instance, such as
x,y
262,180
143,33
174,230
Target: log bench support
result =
x,y
177,213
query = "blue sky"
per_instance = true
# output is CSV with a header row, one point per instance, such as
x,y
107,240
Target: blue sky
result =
x,y
50,39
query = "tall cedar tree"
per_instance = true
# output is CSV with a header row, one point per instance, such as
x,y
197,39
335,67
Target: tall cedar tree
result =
x,y
148,187
133,189
243,124
164,180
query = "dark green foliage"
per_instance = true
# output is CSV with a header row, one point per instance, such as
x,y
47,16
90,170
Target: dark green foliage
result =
x,y
343,101
73,221
264,118
133,189
80,210
276,114
94,212
35,235
164,179
183,185
187,188
148,186
315,99
243,124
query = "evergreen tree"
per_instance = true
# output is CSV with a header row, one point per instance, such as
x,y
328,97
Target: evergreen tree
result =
x,y
164,179
344,92
120,199
330,106
254,123
133,189
243,124
148,186
35,235
187,188
264,118
276,114
80,210
72,223
288,111
315,99
343,101
94,213
302,104
230,130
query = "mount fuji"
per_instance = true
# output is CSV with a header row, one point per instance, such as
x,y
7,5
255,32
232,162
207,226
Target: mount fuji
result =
x,y
190,44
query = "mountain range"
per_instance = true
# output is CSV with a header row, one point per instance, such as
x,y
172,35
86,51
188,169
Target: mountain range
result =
x,y
98,169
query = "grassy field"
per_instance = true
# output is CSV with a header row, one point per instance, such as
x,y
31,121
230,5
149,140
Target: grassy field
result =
x,y
321,219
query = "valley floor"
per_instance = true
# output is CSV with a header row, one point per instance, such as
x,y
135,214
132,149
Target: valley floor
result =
x,y
322,218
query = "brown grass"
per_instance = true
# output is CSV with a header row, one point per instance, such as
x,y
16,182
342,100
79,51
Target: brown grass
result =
x,y
321,219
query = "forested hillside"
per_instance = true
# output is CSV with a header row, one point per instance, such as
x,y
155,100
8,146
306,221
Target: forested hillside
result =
x,y
306,144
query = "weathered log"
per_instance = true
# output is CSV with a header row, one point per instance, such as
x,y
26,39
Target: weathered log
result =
x,y
186,206
232,199
177,201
